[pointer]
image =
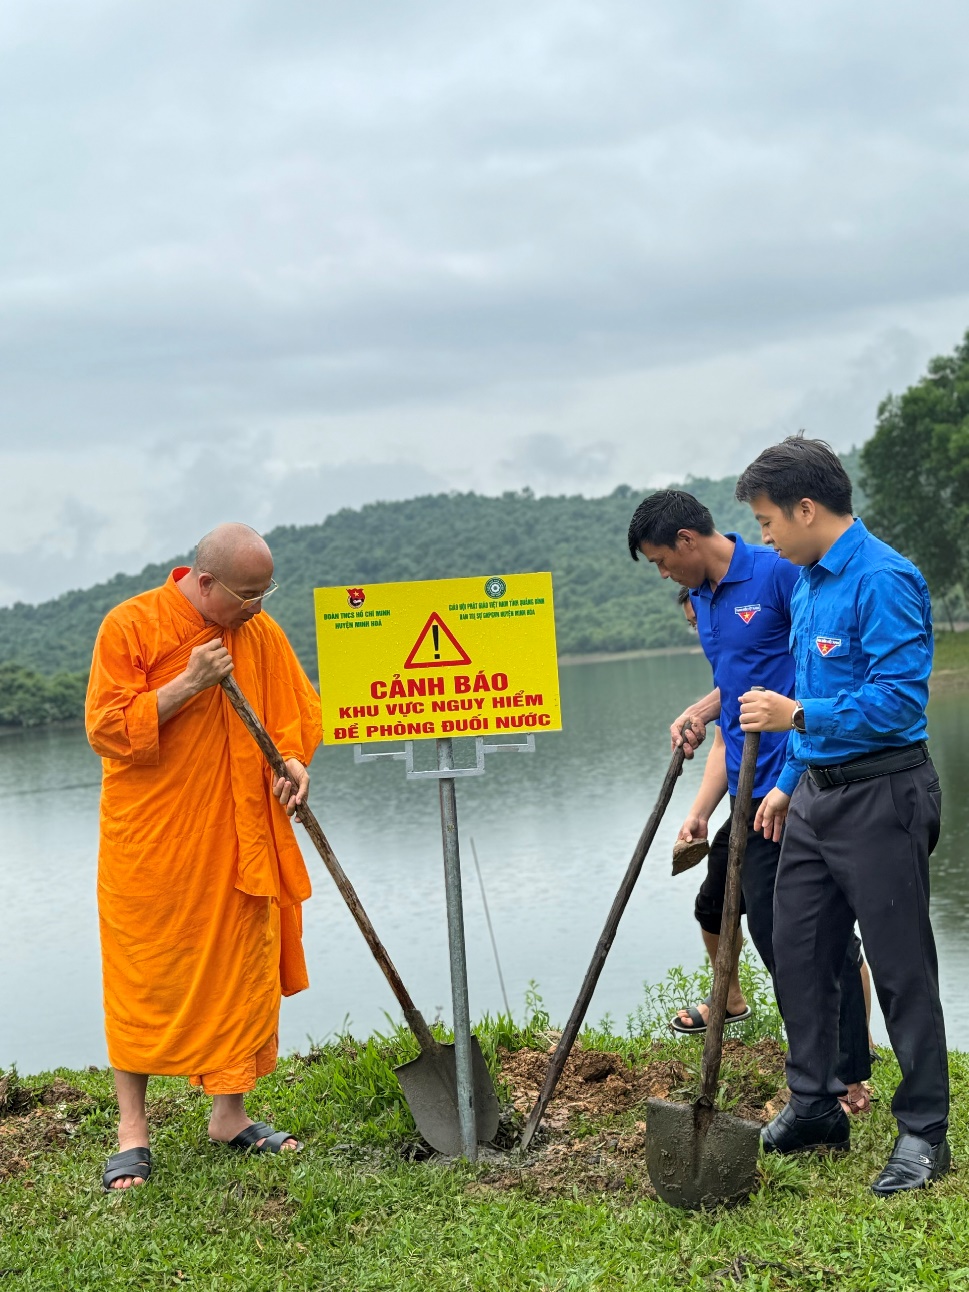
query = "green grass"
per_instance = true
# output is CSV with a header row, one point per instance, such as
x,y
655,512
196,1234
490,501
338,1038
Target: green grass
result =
x,y
951,652
351,1212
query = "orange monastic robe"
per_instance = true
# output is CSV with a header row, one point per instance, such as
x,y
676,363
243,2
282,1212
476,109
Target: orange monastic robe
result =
x,y
200,877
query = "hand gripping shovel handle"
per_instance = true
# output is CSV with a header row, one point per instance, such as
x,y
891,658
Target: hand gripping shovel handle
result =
x,y
722,969
567,1040
304,813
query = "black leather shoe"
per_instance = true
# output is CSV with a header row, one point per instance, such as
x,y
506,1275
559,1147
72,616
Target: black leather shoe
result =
x,y
914,1163
788,1133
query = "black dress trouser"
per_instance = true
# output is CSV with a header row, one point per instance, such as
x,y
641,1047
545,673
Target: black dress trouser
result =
x,y
861,852
758,878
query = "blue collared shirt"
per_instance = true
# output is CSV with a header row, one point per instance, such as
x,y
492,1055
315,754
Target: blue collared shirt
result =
x,y
744,626
861,634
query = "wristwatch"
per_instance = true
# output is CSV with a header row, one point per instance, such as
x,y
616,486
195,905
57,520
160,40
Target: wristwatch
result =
x,y
797,718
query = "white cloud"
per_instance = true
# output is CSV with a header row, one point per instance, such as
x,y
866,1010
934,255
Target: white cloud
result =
x,y
258,258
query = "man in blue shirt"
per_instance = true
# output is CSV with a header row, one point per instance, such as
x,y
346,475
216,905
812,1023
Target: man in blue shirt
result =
x,y
741,597
862,804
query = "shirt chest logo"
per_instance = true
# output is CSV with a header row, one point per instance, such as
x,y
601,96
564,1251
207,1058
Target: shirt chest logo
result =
x,y
826,645
746,613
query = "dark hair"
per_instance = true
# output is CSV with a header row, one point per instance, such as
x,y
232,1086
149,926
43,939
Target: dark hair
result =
x,y
683,596
795,469
660,517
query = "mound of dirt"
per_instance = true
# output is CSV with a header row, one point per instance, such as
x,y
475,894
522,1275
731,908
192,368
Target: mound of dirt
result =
x,y
593,1082
601,1084
598,1086
35,1119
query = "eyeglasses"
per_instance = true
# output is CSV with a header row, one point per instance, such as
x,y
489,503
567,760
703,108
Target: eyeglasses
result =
x,y
246,602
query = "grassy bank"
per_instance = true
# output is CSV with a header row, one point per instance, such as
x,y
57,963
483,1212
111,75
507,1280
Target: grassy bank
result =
x,y
951,664
363,1208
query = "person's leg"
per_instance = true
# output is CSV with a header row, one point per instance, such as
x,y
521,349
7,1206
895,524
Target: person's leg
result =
x,y
131,1088
854,1057
883,865
228,1089
866,988
229,1117
708,911
759,881
812,927
758,878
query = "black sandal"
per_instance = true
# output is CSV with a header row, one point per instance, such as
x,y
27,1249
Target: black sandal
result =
x,y
132,1162
273,1140
697,1025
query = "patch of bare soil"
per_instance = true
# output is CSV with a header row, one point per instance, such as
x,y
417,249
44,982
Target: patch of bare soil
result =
x,y
597,1086
35,1120
593,1082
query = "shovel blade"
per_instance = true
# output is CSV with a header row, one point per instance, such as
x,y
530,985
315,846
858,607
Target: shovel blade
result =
x,y
687,855
698,1159
430,1086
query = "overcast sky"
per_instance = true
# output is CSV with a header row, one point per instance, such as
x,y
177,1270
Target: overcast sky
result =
x,y
260,260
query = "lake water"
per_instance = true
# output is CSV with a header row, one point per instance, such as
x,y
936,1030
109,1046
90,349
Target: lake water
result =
x,y
554,832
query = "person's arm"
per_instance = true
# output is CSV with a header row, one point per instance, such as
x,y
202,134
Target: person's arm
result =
x,y
292,717
898,661
713,787
772,813
207,665
699,713
123,715
771,711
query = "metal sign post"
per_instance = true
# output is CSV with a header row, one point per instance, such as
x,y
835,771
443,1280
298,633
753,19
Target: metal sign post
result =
x,y
445,776
433,660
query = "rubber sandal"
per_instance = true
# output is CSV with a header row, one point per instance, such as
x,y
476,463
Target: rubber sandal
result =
x,y
247,1140
124,1164
698,1026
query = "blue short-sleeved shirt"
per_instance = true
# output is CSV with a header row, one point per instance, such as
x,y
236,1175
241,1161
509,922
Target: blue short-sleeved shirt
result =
x,y
861,634
744,627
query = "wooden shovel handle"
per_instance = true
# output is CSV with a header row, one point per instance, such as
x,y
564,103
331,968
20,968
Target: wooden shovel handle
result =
x,y
723,968
306,817
567,1040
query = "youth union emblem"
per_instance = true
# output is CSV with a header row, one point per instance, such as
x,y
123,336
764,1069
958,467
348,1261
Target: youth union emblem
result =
x,y
746,613
827,644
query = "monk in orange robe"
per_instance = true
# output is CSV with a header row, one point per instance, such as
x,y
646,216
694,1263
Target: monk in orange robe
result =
x,y
200,877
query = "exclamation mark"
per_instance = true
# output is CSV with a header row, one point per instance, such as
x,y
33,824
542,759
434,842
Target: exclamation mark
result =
x,y
437,644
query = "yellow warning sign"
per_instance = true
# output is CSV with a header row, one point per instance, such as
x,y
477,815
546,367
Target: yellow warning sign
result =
x,y
444,657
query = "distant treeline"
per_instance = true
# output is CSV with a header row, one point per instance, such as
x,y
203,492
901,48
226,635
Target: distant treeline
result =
x,y
604,602
28,699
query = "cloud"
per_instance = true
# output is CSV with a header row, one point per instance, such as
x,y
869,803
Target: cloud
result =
x,y
363,248
546,461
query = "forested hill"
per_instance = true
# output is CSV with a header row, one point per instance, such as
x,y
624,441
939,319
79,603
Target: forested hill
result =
x,y
603,600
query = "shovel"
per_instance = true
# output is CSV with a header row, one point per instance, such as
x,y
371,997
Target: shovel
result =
x,y
696,1156
429,1082
567,1040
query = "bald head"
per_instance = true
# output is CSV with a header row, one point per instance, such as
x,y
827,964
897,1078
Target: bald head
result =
x,y
227,547
233,567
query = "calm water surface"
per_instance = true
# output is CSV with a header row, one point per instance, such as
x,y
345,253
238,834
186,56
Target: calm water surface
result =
x,y
554,832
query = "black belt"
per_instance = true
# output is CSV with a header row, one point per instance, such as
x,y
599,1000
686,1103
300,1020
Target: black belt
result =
x,y
864,769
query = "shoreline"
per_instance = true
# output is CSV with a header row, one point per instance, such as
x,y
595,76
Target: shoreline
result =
x,y
944,679
608,657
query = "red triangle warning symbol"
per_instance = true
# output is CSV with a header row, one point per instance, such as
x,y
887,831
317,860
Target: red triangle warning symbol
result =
x,y
436,647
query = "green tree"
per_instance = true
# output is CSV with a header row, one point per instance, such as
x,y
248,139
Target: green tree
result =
x,y
916,472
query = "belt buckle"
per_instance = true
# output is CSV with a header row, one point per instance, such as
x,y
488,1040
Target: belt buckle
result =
x,y
826,778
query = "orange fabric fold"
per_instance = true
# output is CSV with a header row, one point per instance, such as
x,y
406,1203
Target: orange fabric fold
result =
x,y
241,1078
200,877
